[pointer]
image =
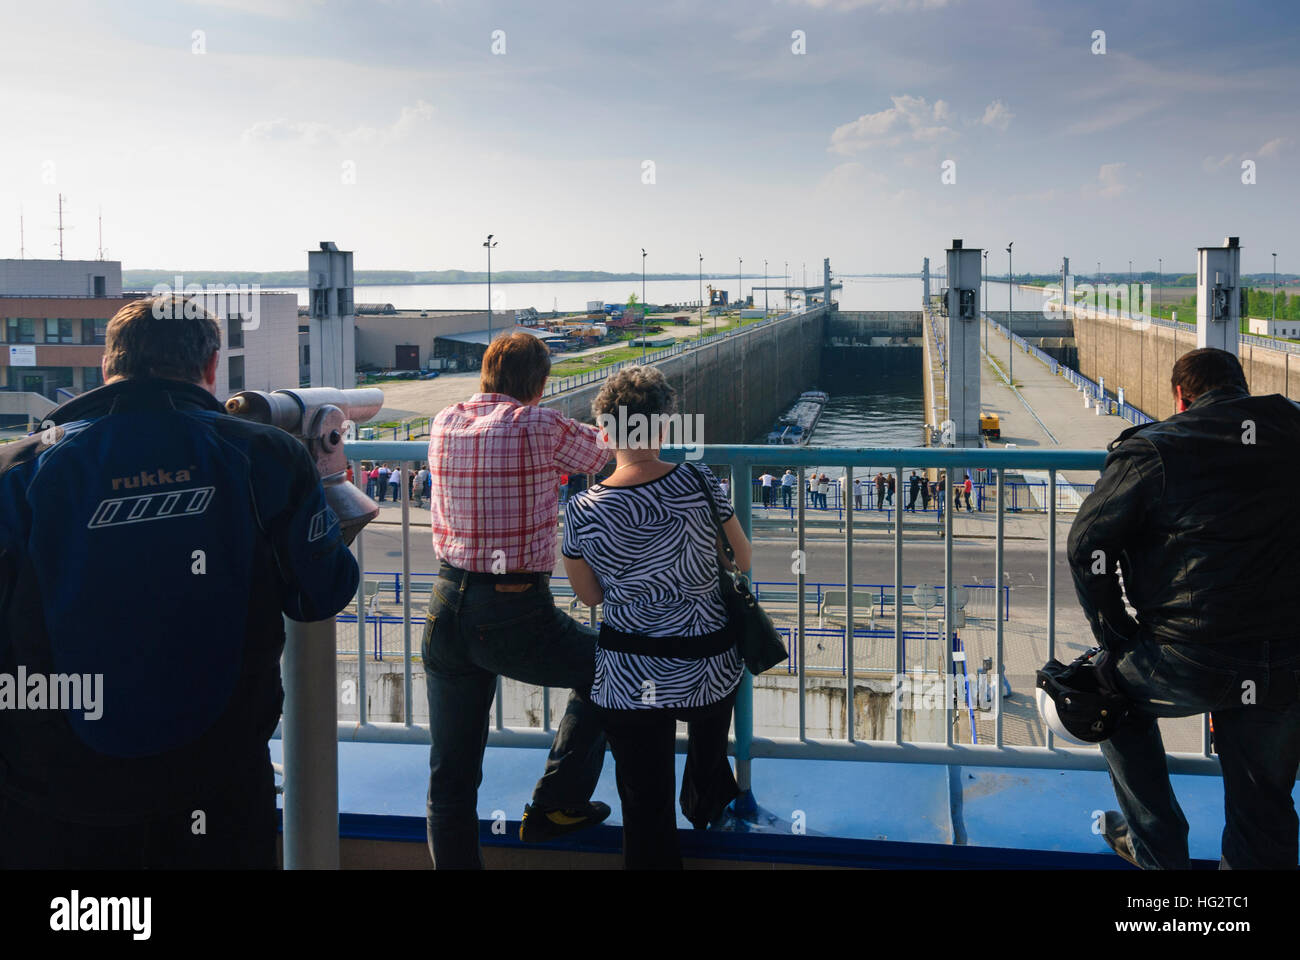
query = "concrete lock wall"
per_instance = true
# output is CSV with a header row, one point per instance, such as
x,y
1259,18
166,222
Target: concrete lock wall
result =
x,y
739,384
1140,356
776,704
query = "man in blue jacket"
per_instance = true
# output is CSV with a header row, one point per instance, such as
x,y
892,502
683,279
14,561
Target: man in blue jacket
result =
x,y
149,545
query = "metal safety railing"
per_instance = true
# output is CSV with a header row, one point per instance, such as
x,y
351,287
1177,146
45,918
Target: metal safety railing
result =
x,y
891,639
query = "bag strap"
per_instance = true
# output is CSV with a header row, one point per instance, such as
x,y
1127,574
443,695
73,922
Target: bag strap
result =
x,y
717,519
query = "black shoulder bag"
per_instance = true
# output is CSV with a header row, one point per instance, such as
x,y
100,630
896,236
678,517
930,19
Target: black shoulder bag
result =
x,y
757,641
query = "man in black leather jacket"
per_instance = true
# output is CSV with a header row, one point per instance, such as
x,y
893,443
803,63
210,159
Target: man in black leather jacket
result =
x,y
1191,514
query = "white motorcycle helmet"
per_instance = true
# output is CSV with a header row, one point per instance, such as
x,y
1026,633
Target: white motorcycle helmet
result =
x,y
1074,704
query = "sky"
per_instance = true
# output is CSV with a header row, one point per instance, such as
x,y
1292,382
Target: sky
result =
x,y
237,134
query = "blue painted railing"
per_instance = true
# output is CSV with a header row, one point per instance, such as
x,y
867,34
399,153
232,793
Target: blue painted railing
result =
x,y
742,461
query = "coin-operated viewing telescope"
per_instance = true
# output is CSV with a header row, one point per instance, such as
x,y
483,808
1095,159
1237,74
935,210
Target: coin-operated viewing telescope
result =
x,y
320,417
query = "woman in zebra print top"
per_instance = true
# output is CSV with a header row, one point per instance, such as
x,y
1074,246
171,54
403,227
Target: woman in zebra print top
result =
x,y
642,544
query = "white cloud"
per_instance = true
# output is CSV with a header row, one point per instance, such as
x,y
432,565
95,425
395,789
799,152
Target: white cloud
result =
x,y
1273,147
279,9
883,5
909,120
997,116
1270,149
1109,179
313,133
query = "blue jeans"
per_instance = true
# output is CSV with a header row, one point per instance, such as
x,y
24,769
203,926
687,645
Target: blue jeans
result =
x,y
1258,743
474,633
785,496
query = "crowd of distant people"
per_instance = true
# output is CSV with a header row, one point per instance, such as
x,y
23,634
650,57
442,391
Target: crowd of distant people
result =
x,y
818,485
384,483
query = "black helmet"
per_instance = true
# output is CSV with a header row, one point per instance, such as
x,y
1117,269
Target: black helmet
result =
x,y
1075,703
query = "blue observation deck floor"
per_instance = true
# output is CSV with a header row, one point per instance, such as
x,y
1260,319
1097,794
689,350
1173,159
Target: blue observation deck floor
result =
x,y
850,813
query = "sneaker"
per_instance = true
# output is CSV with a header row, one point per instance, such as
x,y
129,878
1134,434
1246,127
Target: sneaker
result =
x,y
539,825
1114,830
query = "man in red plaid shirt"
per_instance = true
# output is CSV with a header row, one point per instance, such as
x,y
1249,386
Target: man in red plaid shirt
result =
x,y
495,463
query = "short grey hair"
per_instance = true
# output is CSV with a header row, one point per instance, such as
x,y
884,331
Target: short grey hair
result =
x,y
640,390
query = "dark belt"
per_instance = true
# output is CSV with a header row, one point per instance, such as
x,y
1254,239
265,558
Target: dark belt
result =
x,y
678,648
447,571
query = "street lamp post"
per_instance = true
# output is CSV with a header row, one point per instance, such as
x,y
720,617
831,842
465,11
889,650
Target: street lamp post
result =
x,y
764,289
643,306
1130,289
1011,352
489,243
701,294
785,274
1160,281
740,282
1274,288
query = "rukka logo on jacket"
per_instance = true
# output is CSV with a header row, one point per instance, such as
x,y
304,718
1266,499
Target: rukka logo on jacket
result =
x,y
151,478
321,524
116,511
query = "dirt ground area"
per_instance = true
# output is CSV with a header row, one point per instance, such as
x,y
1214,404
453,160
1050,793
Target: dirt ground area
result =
x,y
424,398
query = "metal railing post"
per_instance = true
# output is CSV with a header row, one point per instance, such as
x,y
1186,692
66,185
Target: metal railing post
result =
x,y
900,654
745,805
801,579
998,666
408,709
360,609
1051,584
309,731
851,722
947,474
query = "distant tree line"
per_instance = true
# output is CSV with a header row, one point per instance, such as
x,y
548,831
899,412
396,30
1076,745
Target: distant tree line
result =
x,y
139,279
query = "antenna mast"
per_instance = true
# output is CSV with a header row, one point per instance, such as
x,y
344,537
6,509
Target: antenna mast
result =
x,y
101,234
60,226
22,249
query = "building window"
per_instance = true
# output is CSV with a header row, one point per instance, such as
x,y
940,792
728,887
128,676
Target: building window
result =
x,y
43,380
58,331
92,377
235,333
236,374
100,289
21,330
92,331
306,354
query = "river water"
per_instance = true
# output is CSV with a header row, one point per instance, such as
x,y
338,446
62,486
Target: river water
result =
x,y
859,293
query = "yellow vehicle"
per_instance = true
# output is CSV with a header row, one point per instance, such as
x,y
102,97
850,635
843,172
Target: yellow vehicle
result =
x,y
989,425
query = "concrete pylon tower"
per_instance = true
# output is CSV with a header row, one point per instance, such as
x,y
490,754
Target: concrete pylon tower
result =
x,y
962,346
826,282
925,283
1218,296
331,321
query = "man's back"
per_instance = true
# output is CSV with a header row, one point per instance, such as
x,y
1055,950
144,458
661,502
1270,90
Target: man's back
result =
x,y
155,542
1209,558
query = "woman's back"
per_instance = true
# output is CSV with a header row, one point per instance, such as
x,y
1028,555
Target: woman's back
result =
x,y
653,548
